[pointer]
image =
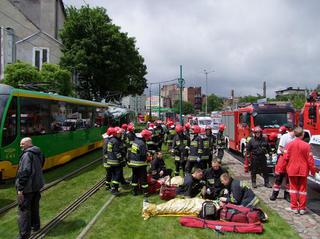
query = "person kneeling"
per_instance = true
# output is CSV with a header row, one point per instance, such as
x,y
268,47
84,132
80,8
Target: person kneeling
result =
x,y
192,184
158,167
237,193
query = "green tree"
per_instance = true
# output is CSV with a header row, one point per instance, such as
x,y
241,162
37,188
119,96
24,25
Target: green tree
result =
x,y
249,99
297,100
187,107
106,59
214,103
21,74
57,79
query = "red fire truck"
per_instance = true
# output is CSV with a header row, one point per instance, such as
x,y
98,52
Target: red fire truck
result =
x,y
269,116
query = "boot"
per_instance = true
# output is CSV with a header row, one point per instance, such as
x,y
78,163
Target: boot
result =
x,y
254,180
134,191
254,184
274,195
115,190
286,196
108,187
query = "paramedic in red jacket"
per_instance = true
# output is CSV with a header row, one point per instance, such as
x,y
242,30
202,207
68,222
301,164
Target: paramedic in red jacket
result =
x,y
300,162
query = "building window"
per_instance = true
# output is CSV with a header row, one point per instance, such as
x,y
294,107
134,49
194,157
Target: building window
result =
x,y
40,56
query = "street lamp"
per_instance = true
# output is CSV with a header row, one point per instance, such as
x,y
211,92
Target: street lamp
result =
x,y
206,73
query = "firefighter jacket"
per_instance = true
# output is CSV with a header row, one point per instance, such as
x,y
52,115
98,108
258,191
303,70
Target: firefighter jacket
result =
x,y
180,142
170,135
240,194
157,165
257,148
208,141
159,132
152,144
220,140
105,152
115,152
213,183
190,187
196,148
299,159
138,155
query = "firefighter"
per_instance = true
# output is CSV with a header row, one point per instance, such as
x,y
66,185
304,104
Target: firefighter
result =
x,y
211,140
130,136
192,184
170,134
257,148
159,131
280,168
180,146
152,142
206,149
300,163
196,149
158,167
187,129
138,162
116,159
107,136
237,192
220,142
213,183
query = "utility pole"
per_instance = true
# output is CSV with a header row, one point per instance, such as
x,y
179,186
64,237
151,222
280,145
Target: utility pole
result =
x,y
206,73
181,83
159,102
150,102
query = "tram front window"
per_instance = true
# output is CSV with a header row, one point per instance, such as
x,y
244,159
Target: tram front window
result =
x,y
9,132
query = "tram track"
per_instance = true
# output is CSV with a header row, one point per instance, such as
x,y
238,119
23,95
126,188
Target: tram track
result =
x,y
53,183
69,209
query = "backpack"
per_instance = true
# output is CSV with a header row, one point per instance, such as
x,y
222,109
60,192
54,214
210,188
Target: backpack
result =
x,y
208,211
236,213
167,192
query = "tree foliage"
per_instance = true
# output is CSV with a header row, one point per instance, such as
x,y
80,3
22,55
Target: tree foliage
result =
x,y
249,99
106,59
187,107
297,100
215,103
21,74
50,78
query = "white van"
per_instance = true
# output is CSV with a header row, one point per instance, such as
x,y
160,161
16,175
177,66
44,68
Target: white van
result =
x,y
202,121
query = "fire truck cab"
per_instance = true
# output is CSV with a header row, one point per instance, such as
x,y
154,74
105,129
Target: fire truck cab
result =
x,y
269,116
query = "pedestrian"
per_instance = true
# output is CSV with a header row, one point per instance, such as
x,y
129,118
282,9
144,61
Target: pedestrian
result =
x,y
257,148
299,163
29,181
280,174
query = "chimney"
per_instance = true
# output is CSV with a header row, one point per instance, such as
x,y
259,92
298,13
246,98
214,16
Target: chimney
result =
x,y
264,89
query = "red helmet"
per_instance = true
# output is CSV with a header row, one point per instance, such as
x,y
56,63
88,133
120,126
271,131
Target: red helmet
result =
x,y
124,126
118,130
187,126
208,127
221,127
282,129
146,134
257,129
151,125
196,129
273,136
169,124
179,128
202,130
110,131
130,128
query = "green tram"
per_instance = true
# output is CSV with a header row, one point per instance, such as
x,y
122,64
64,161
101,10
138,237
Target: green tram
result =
x,y
63,127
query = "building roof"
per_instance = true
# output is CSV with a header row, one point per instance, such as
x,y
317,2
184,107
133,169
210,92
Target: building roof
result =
x,y
289,89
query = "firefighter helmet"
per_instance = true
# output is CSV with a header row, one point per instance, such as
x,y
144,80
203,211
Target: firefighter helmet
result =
x,y
208,127
187,126
202,130
221,127
124,126
282,129
179,128
146,134
117,130
257,129
110,131
196,129
273,136
130,128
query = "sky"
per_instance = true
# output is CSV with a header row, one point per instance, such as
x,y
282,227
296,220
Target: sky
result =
x,y
240,42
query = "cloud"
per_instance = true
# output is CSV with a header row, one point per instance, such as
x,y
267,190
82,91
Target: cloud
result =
x,y
245,42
